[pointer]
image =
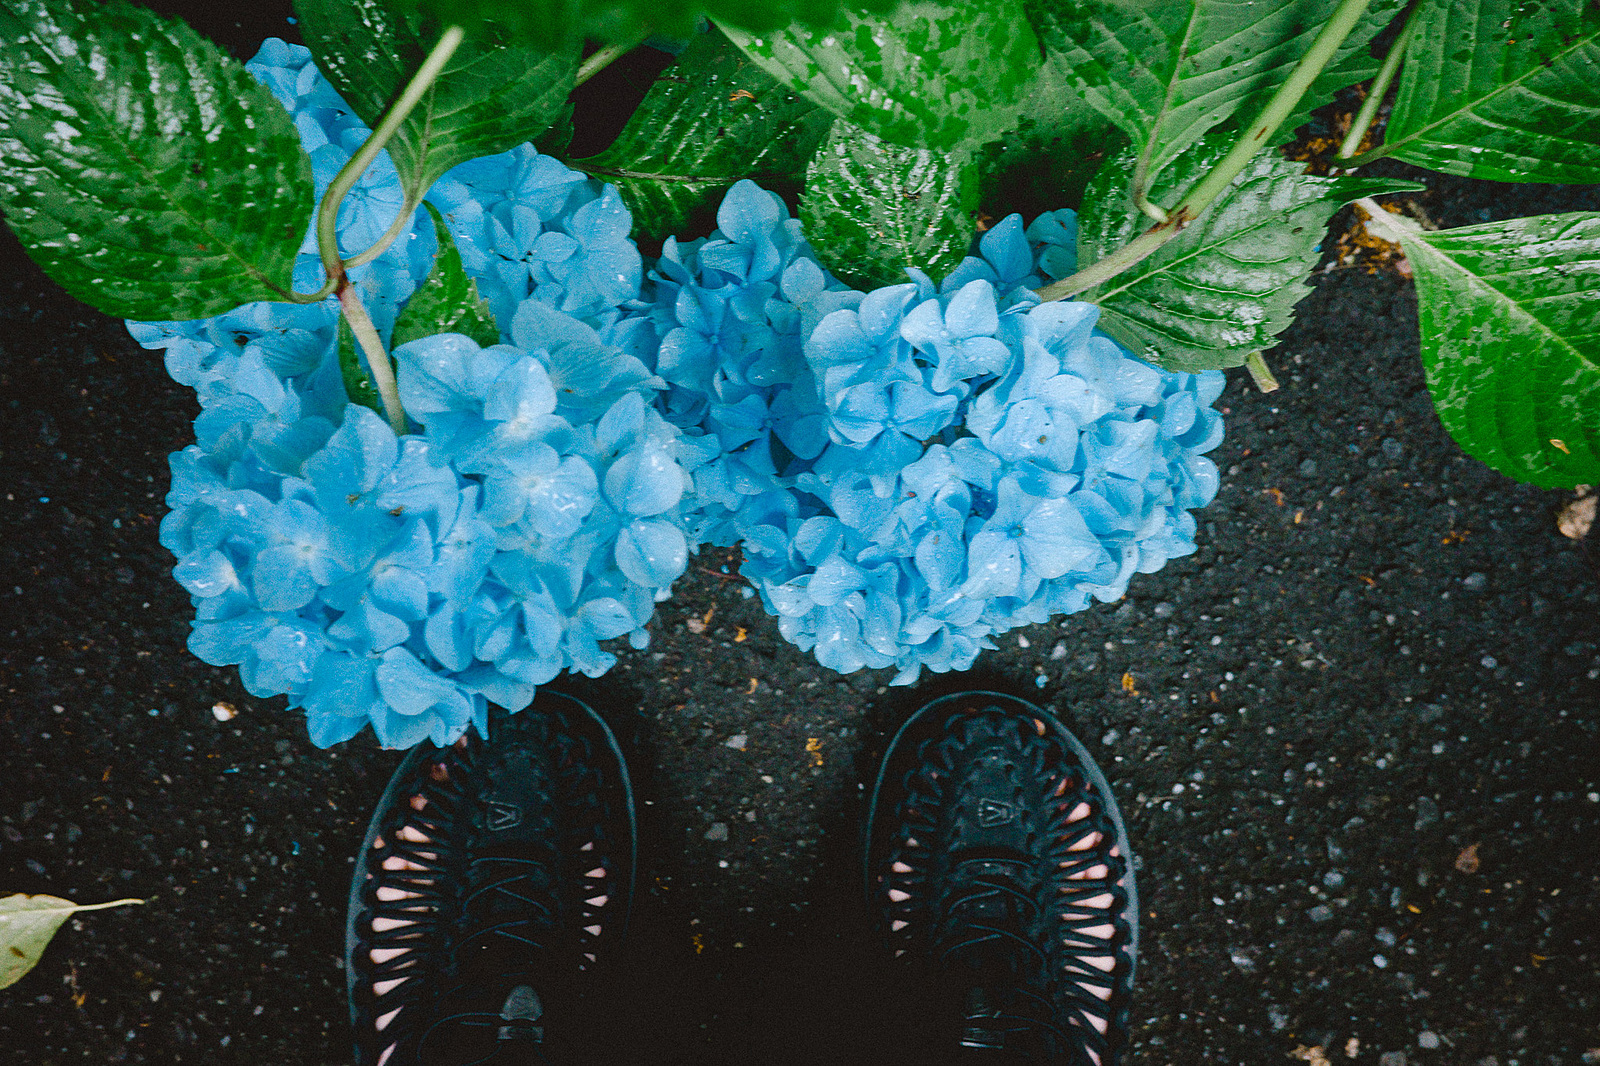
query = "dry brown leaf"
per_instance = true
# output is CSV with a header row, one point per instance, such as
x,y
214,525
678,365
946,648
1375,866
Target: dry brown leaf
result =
x,y
1577,518
1314,1056
1467,861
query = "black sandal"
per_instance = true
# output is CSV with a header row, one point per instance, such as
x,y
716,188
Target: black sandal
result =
x,y
997,860
494,876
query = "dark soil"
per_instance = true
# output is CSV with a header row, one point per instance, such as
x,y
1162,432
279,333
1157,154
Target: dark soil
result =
x,y
1381,665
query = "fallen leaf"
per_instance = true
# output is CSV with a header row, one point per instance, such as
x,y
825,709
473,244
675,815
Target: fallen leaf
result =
x,y
1577,518
26,925
1315,1056
1467,861
223,711
814,746
1128,685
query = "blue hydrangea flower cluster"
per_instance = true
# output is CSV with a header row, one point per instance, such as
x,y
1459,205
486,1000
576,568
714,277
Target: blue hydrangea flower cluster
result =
x,y
408,581
909,471
913,470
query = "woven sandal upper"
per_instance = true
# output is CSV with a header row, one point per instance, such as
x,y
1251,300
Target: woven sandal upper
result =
x,y
493,892
986,872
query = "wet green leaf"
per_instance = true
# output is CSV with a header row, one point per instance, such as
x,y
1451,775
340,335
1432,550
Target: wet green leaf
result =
x,y
448,301
141,167
550,22
872,209
1166,73
1503,90
494,94
1226,286
26,925
928,74
1047,161
1511,341
712,118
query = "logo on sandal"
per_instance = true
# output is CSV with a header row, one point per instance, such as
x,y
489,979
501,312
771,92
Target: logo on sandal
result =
x,y
992,813
503,816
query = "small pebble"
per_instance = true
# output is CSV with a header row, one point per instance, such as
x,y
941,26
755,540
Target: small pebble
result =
x,y
1308,468
1488,662
1040,681
718,831
1059,651
737,742
1392,1058
1165,610
1380,962
1278,1017
1475,582
1427,812
1427,1040
224,712
1320,913
1392,448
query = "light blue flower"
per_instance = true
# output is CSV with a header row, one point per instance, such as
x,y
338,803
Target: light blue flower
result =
x,y
959,337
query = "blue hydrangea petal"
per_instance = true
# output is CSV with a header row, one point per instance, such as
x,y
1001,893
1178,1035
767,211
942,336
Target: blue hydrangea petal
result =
x,y
645,482
652,552
505,691
1005,246
281,578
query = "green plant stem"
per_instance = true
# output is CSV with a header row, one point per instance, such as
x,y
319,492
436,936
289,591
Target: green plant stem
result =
x,y
366,335
1380,88
314,297
1260,373
103,906
345,180
604,58
401,222
1141,187
1152,210
1257,135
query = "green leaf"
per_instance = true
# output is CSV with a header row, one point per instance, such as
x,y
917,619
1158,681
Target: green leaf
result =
x,y
928,74
1503,90
872,209
1047,161
358,386
711,119
26,925
552,22
1226,286
141,167
493,95
1166,73
448,301
1511,341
